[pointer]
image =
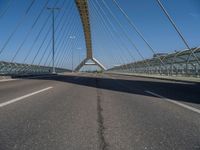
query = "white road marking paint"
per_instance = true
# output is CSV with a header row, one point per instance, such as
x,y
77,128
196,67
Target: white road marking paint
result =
x,y
175,102
4,80
23,97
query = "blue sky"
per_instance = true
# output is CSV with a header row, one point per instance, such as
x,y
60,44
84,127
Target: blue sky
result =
x,y
108,42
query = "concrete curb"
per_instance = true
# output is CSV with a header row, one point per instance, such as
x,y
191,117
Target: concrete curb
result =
x,y
160,78
5,77
16,77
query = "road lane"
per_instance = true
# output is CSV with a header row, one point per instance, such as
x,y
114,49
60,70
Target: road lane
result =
x,y
184,92
135,120
175,102
96,112
63,118
24,96
17,88
13,89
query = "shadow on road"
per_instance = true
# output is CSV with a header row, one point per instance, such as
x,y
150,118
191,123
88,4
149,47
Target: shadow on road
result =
x,y
173,90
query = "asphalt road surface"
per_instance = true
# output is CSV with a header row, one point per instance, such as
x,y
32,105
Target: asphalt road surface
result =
x,y
99,112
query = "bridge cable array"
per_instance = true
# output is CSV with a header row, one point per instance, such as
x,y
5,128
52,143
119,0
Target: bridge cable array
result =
x,y
26,48
37,56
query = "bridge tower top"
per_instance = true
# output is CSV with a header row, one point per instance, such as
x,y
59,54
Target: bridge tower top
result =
x,y
84,13
82,6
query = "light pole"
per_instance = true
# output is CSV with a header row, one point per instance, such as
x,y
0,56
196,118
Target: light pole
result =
x,y
52,9
72,37
79,53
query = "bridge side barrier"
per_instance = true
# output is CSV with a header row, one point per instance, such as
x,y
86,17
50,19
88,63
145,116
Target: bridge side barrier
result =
x,y
7,68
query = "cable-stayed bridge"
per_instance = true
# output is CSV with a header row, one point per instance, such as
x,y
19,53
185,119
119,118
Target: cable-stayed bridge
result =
x,y
99,74
33,50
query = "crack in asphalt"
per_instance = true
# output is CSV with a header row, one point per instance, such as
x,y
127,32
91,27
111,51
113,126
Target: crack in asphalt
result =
x,y
101,129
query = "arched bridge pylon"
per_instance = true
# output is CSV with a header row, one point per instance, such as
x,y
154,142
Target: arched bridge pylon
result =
x,y
82,6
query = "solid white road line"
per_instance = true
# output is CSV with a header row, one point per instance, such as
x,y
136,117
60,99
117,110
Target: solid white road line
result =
x,y
23,97
175,102
4,80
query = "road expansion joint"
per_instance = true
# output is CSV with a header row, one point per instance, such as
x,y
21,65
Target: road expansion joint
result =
x,y
103,145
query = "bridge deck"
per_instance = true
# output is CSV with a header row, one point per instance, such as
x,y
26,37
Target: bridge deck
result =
x,y
91,111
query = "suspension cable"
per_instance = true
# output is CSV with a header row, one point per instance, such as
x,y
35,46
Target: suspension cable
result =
x,y
30,30
107,28
136,29
121,26
17,26
6,9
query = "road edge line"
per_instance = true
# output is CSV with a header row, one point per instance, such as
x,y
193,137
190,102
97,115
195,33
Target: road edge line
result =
x,y
175,102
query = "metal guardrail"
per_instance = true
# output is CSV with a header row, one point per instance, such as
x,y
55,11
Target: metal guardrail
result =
x,y
7,68
181,63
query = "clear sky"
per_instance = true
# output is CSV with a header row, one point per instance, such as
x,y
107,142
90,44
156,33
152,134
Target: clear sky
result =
x,y
23,41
